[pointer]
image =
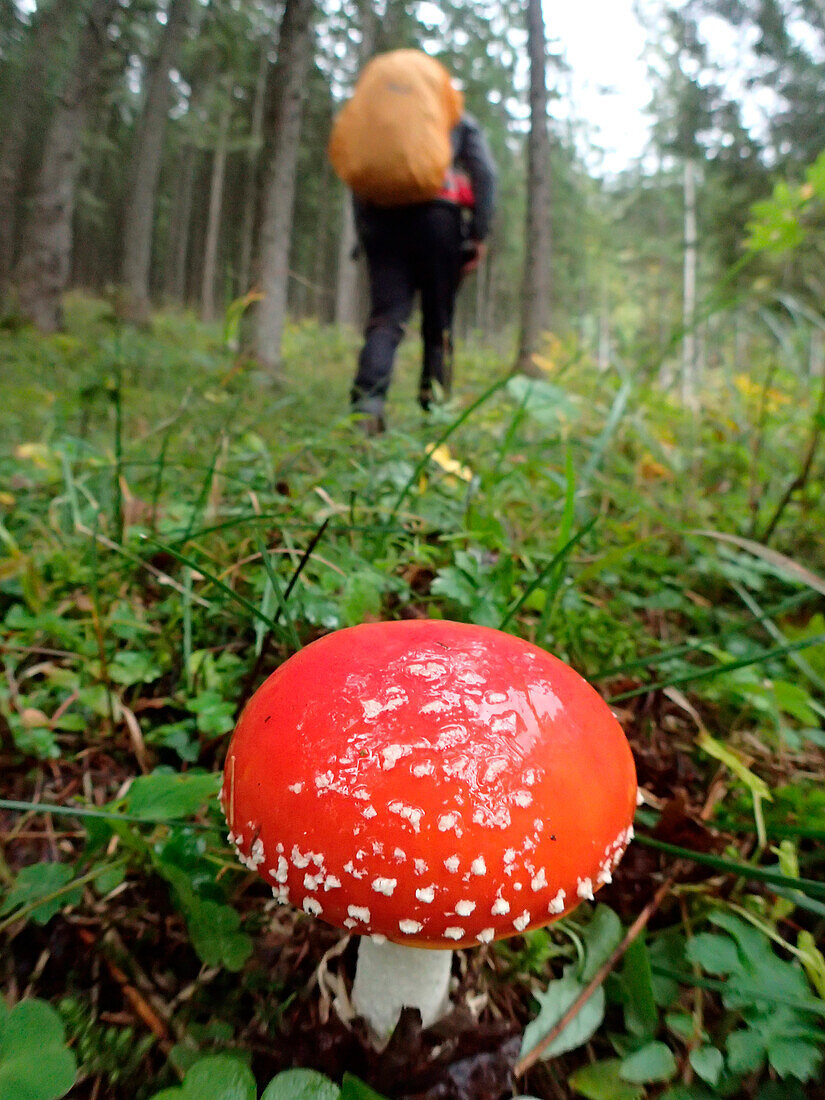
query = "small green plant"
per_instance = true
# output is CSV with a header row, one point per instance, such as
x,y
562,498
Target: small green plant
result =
x,y
35,1063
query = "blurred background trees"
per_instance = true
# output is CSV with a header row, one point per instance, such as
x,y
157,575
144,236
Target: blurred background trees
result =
x,y
172,152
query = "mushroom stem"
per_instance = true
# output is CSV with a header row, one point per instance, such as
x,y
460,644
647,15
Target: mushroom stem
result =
x,y
389,977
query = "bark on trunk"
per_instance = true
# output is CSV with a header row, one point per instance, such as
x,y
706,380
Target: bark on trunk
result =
x,y
250,186
144,169
213,224
351,290
174,280
29,80
43,270
689,297
535,308
279,181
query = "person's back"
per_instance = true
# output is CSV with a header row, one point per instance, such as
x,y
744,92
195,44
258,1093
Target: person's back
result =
x,y
420,245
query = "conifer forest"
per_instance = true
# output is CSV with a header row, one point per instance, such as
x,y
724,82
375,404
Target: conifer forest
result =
x,y
212,573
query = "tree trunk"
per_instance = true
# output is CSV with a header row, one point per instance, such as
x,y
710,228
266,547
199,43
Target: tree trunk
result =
x,y
350,290
294,50
43,270
19,106
250,186
689,296
144,168
535,301
174,275
213,223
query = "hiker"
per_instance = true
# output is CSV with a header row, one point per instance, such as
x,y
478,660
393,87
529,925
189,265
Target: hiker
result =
x,y
418,234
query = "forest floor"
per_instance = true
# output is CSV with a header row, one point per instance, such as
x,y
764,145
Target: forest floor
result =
x,y
159,495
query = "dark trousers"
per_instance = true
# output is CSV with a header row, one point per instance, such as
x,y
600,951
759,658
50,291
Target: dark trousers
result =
x,y
408,249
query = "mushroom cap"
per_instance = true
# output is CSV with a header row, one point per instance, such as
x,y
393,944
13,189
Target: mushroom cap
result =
x,y
436,783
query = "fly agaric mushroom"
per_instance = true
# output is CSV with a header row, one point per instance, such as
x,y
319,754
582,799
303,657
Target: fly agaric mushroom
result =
x,y
427,784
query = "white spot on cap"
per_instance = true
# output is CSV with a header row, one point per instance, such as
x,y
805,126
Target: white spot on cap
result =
x,y
393,753
464,908
539,880
523,798
351,869
529,777
510,855
452,864
448,821
282,872
604,876
557,903
498,818
311,882
359,912
420,770
426,894
486,935
584,888
369,812
296,788
377,938
495,697
409,813
332,883
429,670
520,923
372,708
454,933
361,794
281,894
399,853
500,907
298,858
640,797
503,723
410,927
435,707
324,780
478,866
420,866
384,885
494,769
313,907
471,678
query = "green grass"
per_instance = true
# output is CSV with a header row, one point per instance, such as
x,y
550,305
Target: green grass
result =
x,y
174,523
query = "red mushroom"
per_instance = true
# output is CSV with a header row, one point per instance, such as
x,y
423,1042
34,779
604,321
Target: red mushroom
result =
x,y
430,783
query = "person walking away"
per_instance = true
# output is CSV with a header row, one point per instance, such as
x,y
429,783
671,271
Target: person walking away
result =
x,y
423,181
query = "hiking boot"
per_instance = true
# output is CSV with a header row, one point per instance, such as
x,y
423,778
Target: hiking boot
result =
x,y
370,425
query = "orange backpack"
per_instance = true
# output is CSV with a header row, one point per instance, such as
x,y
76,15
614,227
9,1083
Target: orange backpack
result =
x,y
391,142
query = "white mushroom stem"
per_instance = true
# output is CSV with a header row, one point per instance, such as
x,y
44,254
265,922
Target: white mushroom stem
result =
x,y
389,977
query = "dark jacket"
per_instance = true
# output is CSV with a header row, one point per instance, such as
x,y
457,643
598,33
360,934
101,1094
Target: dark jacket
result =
x,y
471,153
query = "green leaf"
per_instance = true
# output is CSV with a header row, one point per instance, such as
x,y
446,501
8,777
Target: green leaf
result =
x,y
601,1081
354,1089
641,1015
39,880
218,1076
134,667
708,1063
34,1061
167,794
725,755
215,716
715,954
794,1058
554,1002
601,938
654,1062
301,1084
361,598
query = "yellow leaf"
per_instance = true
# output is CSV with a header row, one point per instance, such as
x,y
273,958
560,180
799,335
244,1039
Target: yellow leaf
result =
x,y
441,457
649,469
